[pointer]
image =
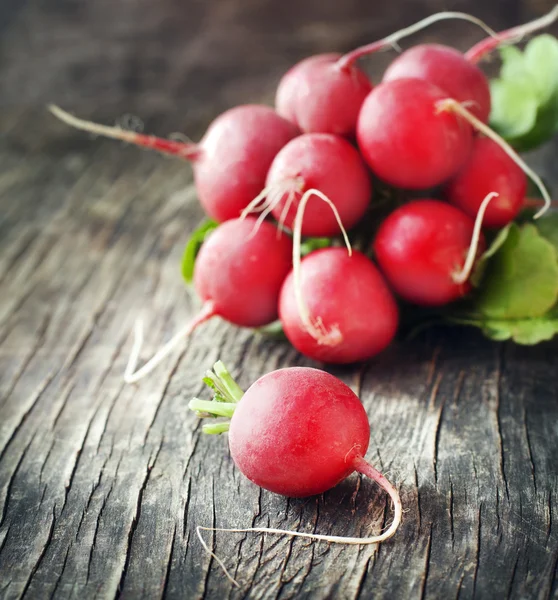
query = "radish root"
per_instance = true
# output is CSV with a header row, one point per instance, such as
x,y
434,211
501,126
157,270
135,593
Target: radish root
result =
x,y
512,36
462,276
131,375
314,326
172,147
451,105
391,40
362,467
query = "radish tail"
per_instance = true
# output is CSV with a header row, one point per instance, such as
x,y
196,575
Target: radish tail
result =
x,y
187,151
514,35
131,375
449,104
463,275
361,466
314,326
391,40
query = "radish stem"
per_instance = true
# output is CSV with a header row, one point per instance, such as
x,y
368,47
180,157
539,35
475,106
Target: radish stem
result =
x,y
347,60
513,35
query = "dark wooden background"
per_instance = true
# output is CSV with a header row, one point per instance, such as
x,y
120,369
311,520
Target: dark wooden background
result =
x,y
103,484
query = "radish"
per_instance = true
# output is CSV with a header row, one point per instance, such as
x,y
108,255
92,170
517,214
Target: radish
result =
x,y
449,105
422,246
406,140
324,93
316,161
296,432
355,315
238,275
449,70
488,169
455,73
230,162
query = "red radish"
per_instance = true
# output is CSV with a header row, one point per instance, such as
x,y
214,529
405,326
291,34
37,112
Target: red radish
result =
x,y
406,140
489,169
324,93
323,162
318,96
296,432
455,73
238,275
421,249
230,162
449,105
449,70
348,297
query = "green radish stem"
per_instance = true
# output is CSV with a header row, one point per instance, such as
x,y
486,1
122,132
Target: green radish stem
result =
x,y
314,326
462,275
514,35
451,105
347,60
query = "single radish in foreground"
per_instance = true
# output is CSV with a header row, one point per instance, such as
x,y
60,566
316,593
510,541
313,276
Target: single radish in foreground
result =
x,y
489,169
230,162
324,93
456,73
238,275
316,161
426,250
296,432
406,140
349,313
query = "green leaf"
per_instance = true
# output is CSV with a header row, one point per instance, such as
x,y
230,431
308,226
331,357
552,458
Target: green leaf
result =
x,y
525,96
514,108
193,247
522,331
521,279
548,228
316,243
541,62
480,267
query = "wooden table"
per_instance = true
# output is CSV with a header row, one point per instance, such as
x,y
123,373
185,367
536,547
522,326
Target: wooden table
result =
x,y
102,484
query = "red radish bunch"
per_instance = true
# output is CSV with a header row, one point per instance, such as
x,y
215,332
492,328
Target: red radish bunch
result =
x,y
275,178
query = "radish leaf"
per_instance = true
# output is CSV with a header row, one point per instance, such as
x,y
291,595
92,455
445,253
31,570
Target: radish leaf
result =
x,y
525,96
193,247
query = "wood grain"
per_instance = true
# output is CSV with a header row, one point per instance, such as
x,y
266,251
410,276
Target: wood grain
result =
x,y
103,484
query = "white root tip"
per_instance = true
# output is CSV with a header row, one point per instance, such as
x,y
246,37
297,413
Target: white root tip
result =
x,y
133,376
362,467
451,105
462,276
314,326
111,132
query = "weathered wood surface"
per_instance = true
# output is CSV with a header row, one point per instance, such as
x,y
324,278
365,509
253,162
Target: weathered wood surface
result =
x,y
102,484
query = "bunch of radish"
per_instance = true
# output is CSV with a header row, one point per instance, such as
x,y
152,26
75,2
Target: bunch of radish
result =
x,y
406,170
311,174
